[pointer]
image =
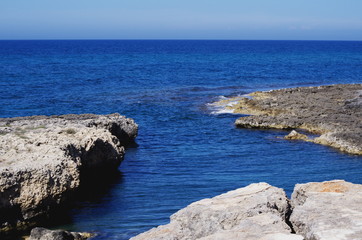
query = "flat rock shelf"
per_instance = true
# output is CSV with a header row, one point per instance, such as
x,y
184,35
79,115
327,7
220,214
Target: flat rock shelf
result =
x,y
333,113
43,158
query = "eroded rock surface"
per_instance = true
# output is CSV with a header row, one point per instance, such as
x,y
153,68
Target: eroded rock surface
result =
x,y
328,210
257,211
333,112
42,160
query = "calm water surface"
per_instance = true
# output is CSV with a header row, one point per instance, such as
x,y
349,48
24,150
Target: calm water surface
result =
x,y
185,152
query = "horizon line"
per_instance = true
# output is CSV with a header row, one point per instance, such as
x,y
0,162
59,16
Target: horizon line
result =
x,y
173,39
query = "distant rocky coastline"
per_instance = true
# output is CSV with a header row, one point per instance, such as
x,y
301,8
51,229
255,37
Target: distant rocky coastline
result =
x,y
333,113
43,159
316,211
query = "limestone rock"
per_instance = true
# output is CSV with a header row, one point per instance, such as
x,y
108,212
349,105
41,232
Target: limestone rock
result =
x,y
319,211
294,135
257,211
334,112
328,210
42,159
346,141
46,234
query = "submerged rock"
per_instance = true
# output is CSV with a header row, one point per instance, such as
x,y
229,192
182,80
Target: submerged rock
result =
x,y
328,210
333,112
257,211
42,160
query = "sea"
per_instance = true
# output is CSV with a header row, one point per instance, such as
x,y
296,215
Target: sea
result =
x,y
187,149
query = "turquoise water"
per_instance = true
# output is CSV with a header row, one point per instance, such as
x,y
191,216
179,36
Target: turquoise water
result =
x,y
184,151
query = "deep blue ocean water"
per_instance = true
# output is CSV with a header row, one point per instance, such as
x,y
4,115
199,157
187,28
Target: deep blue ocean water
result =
x,y
185,152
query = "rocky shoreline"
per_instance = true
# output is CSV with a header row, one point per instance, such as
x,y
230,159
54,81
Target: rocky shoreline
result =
x,y
316,211
43,160
332,112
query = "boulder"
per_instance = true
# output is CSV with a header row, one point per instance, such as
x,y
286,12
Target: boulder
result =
x,y
327,210
294,135
43,159
258,211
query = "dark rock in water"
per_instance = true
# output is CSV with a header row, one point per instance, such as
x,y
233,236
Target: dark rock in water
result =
x,y
46,234
333,112
42,160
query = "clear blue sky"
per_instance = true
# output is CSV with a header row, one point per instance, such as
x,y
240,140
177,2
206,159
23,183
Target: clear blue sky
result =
x,y
181,19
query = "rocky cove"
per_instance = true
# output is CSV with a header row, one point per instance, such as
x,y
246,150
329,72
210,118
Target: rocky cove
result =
x,y
43,160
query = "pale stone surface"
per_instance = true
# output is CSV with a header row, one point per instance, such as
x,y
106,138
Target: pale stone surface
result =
x,y
321,211
294,135
41,159
328,211
257,211
241,234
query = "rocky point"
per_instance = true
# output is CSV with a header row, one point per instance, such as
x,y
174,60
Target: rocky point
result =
x,y
333,113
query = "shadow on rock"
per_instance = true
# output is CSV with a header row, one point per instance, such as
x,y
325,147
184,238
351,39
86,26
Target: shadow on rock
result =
x,y
93,188
95,185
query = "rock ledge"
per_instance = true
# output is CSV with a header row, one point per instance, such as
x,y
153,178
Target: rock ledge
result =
x,y
43,158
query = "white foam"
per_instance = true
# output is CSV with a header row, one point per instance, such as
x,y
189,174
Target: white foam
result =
x,y
222,111
218,108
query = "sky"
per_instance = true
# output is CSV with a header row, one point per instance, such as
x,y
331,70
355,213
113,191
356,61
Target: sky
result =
x,y
181,19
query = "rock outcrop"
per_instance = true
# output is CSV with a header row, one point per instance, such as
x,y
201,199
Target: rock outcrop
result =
x,y
46,234
332,112
318,211
258,211
328,210
42,160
